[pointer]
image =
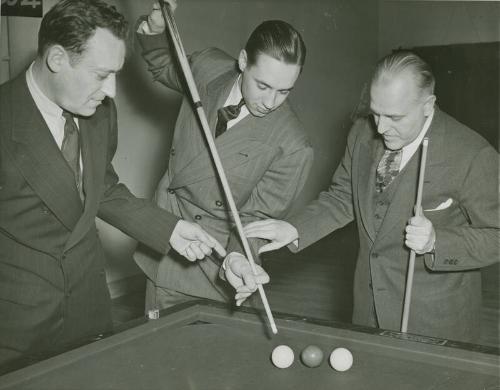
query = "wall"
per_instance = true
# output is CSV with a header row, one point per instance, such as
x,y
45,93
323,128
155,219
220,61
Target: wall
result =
x,y
408,23
341,38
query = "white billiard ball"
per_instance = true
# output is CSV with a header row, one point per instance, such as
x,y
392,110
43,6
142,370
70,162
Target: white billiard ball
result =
x,y
282,356
341,359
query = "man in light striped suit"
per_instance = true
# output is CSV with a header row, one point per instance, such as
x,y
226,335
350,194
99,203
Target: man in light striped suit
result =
x,y
263,148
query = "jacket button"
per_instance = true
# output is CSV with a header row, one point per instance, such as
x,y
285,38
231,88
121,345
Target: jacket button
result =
x,y
375,255
171,191
172,151
197,217
370,285
218,203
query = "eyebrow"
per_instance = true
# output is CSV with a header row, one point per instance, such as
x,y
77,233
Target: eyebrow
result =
x,y
270,86
108,70
373,112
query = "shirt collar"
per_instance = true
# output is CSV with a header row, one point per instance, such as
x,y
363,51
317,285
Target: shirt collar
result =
x,y
44,104
235,93
412,147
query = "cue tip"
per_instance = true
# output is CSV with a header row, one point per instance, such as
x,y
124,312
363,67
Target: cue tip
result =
x,y
274,328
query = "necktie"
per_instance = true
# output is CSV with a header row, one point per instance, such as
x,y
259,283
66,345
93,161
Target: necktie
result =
x,y
388,168
70,149
225,114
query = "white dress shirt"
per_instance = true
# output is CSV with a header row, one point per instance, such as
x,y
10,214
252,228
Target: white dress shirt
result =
x,y
410,149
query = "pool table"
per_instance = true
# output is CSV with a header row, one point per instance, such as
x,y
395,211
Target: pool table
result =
x,y
206,345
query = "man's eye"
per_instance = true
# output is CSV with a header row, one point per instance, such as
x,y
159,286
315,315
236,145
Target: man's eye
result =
x,y
284,93
261,86
101,77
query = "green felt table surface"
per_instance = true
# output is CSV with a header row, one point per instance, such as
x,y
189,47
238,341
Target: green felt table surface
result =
x,y
207,345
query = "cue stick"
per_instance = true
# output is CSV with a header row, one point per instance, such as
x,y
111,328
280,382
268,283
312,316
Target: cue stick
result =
x,y
174,33
411,265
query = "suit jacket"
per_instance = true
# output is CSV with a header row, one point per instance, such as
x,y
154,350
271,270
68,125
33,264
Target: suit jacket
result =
x,y
266,161
446,297
52,281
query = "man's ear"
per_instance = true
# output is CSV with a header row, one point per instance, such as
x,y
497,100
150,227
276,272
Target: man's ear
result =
x,y
429,104
57,58
243,60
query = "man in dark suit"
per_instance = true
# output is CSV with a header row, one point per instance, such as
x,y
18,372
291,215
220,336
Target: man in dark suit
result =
x,y
375,184
263,148
58,135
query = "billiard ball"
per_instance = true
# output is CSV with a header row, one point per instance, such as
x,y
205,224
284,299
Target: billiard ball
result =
x,y
282,356
312,356
341,359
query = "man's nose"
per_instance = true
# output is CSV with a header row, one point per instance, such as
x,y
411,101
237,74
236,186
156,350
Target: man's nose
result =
x,y
109,86
270,100
382,124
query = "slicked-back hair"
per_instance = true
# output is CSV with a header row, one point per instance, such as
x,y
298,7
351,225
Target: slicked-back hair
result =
x,y
404,60
277,39
71,23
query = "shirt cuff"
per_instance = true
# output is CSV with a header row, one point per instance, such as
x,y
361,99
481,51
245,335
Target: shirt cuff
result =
x,y
144,28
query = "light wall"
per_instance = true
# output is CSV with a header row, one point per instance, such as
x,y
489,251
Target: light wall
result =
x,y
409,23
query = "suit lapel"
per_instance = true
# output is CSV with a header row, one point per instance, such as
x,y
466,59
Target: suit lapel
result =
x,y
217,92
369,156
40,160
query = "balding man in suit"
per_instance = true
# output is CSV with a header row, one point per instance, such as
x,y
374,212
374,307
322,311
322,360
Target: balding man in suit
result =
x,y
375,184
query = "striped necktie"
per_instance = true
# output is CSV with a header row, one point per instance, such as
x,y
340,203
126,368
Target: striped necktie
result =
x,y
70,149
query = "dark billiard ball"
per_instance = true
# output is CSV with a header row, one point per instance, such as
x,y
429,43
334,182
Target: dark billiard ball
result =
x,y
312,356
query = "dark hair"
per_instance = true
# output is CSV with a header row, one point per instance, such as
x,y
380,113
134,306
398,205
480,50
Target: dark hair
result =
x,y
277,39
71,23
402,60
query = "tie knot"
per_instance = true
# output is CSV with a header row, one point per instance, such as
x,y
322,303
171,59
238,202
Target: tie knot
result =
x,y
70,124
225,114
67,115
234,110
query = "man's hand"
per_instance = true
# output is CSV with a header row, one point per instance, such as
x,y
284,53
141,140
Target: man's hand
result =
x,y
192,242
420,234
155,20
240,275
280,233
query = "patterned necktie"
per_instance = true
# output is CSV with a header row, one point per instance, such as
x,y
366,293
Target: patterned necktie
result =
x,y
225,114
70,149
388,168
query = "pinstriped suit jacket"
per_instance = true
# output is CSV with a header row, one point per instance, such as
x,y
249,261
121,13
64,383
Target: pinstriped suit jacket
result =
x,y
52,282
266,161
446,298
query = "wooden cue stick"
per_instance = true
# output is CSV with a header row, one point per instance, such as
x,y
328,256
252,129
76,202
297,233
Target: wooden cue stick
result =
x,y
167,14
411,264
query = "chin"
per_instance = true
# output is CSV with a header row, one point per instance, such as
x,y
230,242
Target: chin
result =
x,y
393,145
87,111
257,113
